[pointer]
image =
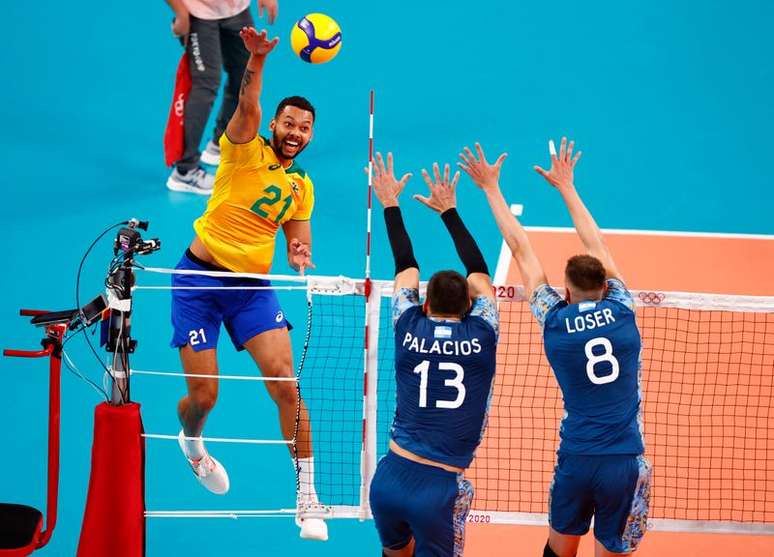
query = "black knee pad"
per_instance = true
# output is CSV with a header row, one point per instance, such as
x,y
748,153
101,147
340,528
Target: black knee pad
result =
x,y
548,552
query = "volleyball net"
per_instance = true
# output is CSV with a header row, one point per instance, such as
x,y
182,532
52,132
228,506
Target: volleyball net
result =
x,y
707,382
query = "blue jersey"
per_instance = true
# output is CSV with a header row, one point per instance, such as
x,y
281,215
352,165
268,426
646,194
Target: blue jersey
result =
x,y
444,373
594,351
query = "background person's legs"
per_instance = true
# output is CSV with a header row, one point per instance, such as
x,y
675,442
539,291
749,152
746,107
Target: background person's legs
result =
x,y
235,58
205,61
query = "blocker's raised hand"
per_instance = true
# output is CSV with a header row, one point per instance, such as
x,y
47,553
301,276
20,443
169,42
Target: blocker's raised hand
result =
x,y
386,187
562,166
443,193
486,176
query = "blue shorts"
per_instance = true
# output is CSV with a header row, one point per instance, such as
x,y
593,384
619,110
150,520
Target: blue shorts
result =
x,y
197,314
427,503
615,489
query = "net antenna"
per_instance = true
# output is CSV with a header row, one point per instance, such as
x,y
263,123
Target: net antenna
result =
x,y
371,337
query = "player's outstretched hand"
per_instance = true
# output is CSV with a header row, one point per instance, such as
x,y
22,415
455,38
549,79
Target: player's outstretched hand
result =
x,y
486,176
257,43
300,256
443,194
271,10
386,187
562,166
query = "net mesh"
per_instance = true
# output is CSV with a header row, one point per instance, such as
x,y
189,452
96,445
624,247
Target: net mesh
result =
x,y
331,384
708,391
707,388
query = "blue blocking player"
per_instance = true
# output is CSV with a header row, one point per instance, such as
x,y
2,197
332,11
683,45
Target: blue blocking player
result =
x,y
593,345
444,368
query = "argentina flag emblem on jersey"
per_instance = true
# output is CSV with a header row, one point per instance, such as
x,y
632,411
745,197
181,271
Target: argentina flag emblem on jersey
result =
x,y
586,306
442,331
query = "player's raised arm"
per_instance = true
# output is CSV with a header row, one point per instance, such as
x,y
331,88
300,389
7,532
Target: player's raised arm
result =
x,y
244,124
443,200
387,189
487,177
561,177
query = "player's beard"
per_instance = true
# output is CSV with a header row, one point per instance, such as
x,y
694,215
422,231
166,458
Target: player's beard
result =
x,y
279,146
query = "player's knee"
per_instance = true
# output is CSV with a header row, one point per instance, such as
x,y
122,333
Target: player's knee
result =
x,y
548,552
283,393
204,397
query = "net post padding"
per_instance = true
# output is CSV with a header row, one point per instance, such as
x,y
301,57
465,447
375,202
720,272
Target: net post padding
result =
x,y
114,520
370,399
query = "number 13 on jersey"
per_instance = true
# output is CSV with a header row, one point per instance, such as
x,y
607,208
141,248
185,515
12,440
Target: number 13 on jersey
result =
x,y
423,370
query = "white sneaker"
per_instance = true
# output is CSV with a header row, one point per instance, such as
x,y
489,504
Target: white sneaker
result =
x,y
207,470
309,517
211,154
195,181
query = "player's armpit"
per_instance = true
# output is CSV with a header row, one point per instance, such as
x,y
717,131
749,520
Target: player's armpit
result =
x,y
239,153
542,300
403,298
532,273
485,307
243,126
617,291
407,278
480,284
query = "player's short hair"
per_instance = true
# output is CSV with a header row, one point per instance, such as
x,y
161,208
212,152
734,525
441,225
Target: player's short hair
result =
x,y
585,272
298,102
447,293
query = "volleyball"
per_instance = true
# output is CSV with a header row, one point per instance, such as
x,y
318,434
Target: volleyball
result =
x,y
316,38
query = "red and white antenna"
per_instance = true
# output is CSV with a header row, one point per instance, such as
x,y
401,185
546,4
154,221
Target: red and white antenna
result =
x,y
368,447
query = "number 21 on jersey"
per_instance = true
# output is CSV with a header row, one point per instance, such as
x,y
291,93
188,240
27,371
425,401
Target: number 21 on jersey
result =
x,y
423,370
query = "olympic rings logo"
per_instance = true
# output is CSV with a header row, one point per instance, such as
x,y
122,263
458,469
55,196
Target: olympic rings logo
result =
x,y
653,298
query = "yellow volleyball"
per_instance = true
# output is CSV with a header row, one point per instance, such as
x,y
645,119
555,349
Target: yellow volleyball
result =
x,y
316,38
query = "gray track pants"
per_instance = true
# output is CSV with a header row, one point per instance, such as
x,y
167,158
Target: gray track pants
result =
x,y
212,44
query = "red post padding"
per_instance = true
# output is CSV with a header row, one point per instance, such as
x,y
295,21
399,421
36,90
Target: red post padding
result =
x,y
114,521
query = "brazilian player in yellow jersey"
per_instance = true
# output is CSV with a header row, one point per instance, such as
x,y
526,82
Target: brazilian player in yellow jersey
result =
x,y
259,188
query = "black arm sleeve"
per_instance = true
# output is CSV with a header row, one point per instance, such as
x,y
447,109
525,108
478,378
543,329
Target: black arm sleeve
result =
x,y
399,240
466,246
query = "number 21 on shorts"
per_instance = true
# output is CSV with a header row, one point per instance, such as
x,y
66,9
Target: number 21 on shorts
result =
x,y
196,337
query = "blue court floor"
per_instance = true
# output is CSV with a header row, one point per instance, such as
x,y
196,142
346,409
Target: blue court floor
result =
x,y
671,104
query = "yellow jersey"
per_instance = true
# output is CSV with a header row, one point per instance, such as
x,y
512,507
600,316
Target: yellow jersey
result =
x,y
253,196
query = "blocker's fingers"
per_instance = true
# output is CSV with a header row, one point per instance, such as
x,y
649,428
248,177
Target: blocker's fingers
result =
x,y
480,152
541,171
569,150
577,157
500,159
426,176
464,157
446,173
423,200
389,162
406,177
463,167
436,173
551,148
454,180
380,162
562,148
470,154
